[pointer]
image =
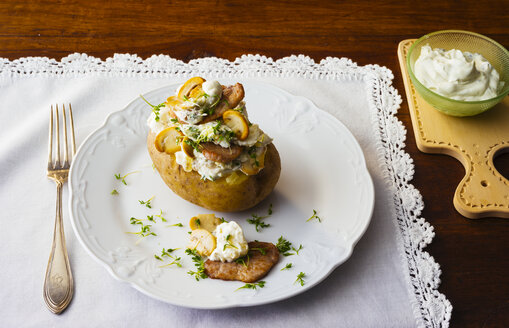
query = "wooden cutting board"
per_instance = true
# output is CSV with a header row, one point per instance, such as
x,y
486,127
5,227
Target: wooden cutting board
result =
x,y
474,141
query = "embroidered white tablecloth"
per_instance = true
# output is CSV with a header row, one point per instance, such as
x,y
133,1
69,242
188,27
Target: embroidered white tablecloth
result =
x,y
388,282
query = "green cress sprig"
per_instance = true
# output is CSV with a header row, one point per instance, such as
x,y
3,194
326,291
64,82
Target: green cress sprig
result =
x,y
134,220
160,215
228,243
296,250
314,216
256,285
122,177
155,109
258,220
167,252
287,267
244,260
194,144
300,279
114,192
284,246
198,263
224,134
146,202
144,229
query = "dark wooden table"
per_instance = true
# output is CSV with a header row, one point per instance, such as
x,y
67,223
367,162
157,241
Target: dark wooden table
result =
x,y
473,254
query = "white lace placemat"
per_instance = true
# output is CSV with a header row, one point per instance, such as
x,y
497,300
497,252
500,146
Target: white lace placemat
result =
x,y
388,282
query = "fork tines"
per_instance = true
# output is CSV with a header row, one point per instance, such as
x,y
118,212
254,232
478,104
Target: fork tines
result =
x,y
57,163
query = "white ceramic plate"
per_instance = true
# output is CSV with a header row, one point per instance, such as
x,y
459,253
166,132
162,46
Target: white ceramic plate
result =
x,y
323,168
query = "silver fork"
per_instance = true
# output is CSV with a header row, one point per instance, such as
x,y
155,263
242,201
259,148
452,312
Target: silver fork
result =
x,y
58,283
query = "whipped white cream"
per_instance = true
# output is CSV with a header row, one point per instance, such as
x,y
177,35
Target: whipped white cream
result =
x,y
456,74
230,242
208,169
163,122
212,88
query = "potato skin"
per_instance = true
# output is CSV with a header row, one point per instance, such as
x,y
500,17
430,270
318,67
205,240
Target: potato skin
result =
x,y
217,195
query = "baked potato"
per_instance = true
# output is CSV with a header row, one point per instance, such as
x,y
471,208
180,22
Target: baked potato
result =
x,y
245,171
223,194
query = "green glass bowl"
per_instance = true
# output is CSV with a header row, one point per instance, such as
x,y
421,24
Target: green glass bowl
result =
x,y
495,53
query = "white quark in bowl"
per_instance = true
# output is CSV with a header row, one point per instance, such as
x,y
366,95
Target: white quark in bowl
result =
x,y
457,75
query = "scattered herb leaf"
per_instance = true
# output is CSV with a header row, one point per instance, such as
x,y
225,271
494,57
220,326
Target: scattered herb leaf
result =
x,y
244,260
155,109
287,267
284,246
144,230
194,144
167,253
176,261
114,192
147,202
198,263
228,243
297,250
300,278
314,216
255,286
122,177
258,222
135,221
160,215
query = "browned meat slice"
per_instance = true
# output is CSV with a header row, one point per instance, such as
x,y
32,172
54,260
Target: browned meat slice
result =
x,y
256,266
233,96
217,153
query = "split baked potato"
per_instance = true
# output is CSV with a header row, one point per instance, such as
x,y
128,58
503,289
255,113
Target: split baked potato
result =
x,y
245,171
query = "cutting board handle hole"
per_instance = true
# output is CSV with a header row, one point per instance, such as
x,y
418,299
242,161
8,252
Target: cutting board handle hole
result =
x,y
484,183
501,162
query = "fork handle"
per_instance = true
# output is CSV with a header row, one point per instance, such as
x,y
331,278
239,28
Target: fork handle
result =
x,y
58,283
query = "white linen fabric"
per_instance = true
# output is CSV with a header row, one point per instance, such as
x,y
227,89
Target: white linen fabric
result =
x,y
388,282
